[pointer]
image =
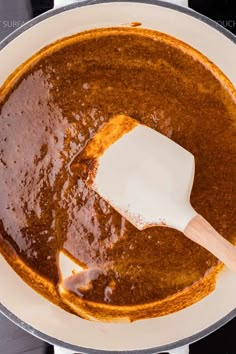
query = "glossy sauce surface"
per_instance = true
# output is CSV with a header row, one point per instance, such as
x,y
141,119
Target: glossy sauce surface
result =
x,y
47,119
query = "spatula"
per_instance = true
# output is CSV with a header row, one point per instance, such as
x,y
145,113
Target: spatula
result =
x,y
148,179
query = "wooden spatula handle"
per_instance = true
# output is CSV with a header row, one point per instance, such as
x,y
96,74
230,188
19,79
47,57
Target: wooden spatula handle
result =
x,y
201,232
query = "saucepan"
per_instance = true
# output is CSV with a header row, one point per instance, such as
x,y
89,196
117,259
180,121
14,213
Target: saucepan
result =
x,y
23,305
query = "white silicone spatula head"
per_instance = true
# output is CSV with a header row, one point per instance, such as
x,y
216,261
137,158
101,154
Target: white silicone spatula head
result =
x,y
148,179
144,175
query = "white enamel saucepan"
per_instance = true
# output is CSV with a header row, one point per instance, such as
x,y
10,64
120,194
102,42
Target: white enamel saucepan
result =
x,y
22,304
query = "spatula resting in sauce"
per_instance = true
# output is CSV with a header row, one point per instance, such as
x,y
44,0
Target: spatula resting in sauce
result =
x,y
148,179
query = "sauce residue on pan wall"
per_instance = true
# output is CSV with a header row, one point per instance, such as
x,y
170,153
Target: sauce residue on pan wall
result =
x,y
47,118
135,24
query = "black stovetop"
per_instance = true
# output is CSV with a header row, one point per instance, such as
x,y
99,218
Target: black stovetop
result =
x,y
13,13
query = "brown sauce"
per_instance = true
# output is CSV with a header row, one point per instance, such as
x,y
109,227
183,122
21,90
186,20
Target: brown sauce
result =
x,y
47,118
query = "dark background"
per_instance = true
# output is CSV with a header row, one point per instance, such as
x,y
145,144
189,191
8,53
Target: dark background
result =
x,y
222,11
13,340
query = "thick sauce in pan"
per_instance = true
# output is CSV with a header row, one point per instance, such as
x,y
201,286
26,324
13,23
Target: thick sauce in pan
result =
x,y
47,118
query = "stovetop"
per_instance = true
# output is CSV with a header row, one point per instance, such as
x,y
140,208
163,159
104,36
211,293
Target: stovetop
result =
x,y
13,13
